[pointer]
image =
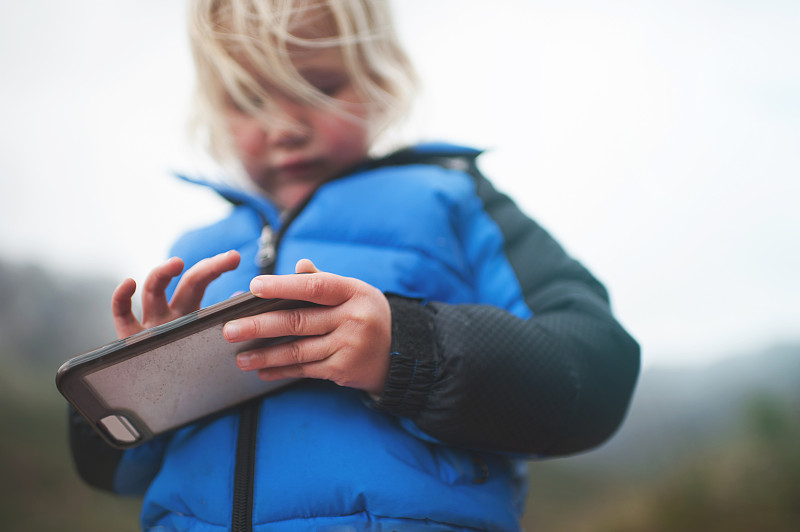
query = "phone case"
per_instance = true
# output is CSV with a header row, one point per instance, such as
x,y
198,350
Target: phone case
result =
x,y
168,376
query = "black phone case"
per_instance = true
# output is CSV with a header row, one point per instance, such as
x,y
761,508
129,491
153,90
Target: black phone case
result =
x,y
168,376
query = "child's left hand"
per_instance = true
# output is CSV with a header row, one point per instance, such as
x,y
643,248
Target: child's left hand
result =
x,y
346,341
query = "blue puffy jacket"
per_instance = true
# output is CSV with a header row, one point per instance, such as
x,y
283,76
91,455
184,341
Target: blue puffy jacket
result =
x,y
501,345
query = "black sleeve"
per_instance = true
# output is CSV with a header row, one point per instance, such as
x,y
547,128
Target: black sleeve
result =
x,y
94,459
479,377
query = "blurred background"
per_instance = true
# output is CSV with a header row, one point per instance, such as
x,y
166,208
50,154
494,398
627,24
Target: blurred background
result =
x,y
657,140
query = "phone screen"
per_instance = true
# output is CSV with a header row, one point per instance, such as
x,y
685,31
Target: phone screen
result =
x,y
179,382
168,376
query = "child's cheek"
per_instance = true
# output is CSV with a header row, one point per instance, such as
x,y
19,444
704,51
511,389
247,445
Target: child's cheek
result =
x,y
348,139
249,138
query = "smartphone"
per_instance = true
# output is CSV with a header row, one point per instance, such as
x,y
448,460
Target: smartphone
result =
x,y
168,376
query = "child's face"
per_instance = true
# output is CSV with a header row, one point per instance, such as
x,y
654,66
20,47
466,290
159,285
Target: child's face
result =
x,y
288,161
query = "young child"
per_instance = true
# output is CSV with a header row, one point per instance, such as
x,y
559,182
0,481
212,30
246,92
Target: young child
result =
x,y
454,338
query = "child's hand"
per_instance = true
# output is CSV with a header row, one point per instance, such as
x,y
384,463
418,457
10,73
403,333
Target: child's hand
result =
x,y
155,308
346,341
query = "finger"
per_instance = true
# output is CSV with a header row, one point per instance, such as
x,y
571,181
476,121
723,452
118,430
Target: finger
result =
x,y
302,351
192,286
125,323
154,298
322,288
324,370
297,371
313,321
305,266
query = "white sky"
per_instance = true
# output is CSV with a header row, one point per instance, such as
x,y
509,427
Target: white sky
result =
x,y
656,139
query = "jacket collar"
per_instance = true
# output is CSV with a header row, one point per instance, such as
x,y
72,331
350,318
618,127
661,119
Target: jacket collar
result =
x,y
431,152
239,196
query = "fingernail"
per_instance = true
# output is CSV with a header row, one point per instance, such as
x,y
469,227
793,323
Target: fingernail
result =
x,y
245,361
256,286
232,330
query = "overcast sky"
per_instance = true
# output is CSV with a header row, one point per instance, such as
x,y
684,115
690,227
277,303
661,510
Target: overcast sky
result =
x,y
657,140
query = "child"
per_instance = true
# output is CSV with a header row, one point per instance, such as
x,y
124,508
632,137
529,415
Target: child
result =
x,y
455,337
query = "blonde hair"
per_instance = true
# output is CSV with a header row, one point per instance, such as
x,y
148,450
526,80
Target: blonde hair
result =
x,y
240,45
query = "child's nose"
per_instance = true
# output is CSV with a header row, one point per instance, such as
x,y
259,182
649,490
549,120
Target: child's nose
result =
x,y
291,126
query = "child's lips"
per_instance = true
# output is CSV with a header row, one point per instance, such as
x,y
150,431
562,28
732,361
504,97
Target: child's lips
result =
x,y
296,166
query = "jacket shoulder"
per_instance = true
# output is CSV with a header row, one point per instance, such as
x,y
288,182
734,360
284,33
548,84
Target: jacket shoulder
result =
x,y
221,236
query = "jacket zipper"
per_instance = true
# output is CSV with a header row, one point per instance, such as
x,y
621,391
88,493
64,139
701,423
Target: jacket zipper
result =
x,y
265,256
244,472
245,465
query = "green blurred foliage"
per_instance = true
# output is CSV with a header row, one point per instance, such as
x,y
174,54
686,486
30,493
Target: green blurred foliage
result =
x,y
748,480
39,489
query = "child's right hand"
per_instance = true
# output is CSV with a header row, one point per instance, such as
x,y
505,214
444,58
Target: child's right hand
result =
x,y
156,310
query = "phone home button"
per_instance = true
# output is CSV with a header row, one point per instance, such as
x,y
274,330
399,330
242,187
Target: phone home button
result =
x,y
119,428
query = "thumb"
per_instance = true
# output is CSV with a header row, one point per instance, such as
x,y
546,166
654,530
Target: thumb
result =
x,y
305,266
